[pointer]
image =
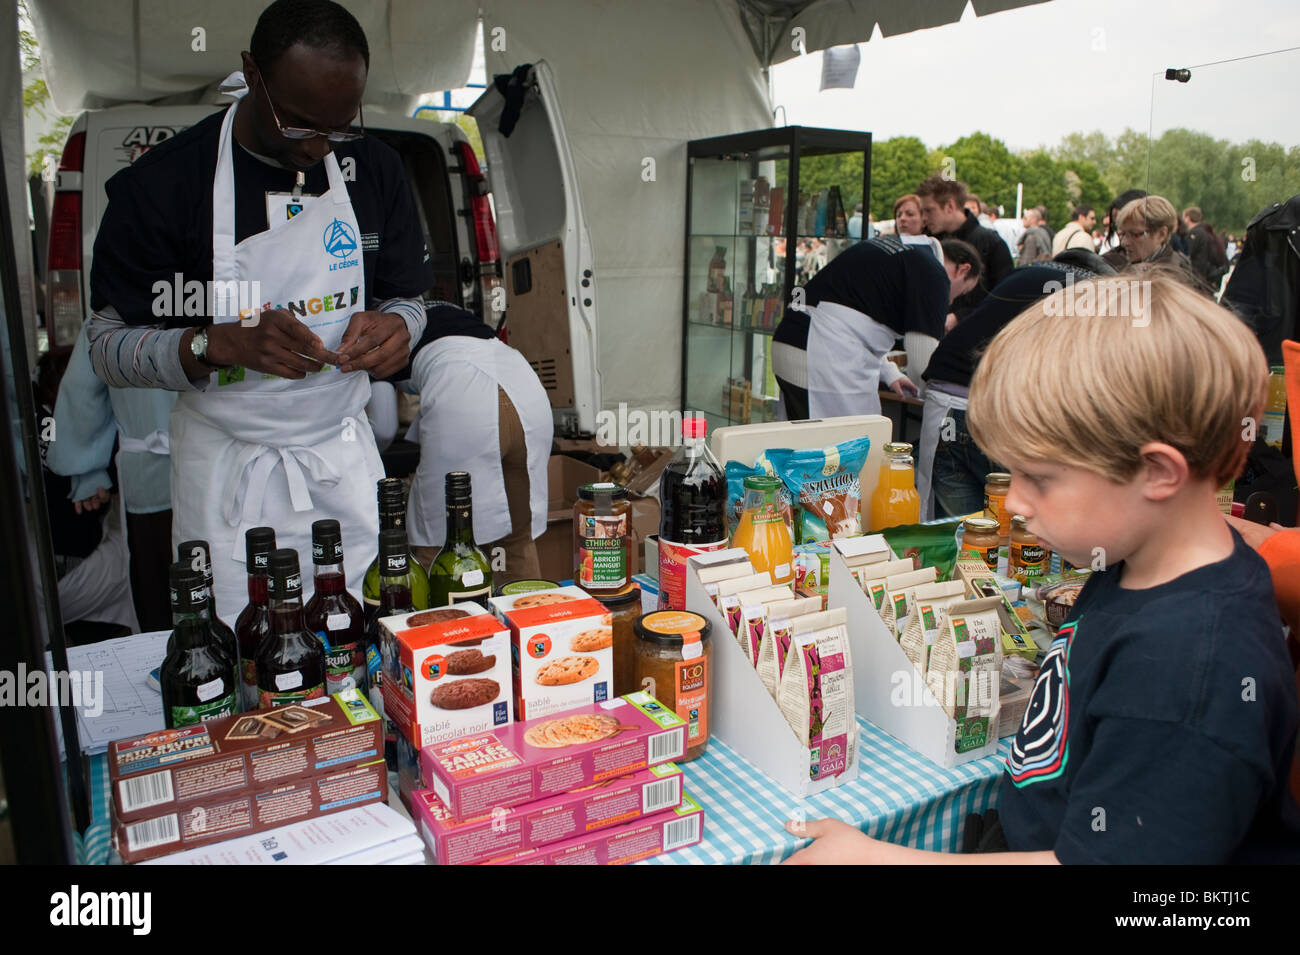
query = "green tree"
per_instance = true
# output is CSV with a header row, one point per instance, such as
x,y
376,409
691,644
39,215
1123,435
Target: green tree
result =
x,y
984,164
1045,185
837,169
897,167
36,100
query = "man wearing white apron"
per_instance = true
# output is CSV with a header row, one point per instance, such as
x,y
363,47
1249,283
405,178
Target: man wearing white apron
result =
x,y
482,410
949,463
327,270
828,352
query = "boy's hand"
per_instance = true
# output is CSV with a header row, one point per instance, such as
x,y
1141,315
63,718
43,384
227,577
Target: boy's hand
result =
x,y
834,843
1252,533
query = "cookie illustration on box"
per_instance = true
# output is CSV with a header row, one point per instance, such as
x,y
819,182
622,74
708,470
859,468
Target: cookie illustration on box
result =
x,y
252,727
571,731
465,694
567,670
440,615
469,662
543,599
591,640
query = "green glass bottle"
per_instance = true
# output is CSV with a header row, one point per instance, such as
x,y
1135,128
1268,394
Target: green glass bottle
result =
x,y
461,570
197,678
392,516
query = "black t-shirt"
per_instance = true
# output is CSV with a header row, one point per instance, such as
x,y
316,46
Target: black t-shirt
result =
x,y
993,253
897,285
159,219
1162,726
958,352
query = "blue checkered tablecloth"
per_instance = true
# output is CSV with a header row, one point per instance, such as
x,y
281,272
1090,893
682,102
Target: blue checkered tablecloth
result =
x,y
899,796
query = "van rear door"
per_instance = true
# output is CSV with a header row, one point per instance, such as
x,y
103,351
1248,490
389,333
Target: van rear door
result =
x,y
545,247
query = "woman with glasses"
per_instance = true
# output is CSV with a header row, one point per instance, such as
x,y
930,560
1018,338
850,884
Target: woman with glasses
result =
x,y
293,242
1145,227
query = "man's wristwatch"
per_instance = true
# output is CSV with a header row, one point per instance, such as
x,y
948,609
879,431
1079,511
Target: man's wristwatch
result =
x,y
199,348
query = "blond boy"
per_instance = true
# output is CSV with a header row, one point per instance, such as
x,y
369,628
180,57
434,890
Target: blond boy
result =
x,y
1163,723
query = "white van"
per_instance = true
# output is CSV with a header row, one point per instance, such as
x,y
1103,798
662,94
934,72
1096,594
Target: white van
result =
x,y
546,290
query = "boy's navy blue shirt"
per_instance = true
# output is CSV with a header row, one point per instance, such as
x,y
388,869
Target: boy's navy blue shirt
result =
x,y
1162,726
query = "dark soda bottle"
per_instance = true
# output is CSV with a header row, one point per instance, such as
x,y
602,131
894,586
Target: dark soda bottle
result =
x,y
198,556
693,502
333,614
254,621
196,677
291,660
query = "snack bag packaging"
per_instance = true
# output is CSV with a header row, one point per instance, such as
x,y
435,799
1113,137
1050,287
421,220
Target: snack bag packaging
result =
x,y
776,643
824,484
816,692
928,603
736,474
734,613
871,577
897,602
728,593
712,577
965,669
929,545
755,609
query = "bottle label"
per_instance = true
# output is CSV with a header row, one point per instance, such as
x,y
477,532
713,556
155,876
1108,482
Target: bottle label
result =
x,y
267,698
672,570
288,681
470,595
473,578
1274,428
202,712
603,552
692,703
211,690
345,668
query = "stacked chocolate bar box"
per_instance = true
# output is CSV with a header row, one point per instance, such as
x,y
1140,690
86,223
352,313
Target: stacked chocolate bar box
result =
x,y
193,786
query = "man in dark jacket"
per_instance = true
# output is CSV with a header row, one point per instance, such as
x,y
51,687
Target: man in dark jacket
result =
x,y
942,208
1203,247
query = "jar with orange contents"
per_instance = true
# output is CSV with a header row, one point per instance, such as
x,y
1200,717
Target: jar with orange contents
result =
x,y
674,664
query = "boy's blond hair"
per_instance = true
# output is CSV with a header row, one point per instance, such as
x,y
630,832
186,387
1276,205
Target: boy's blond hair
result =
x,y
1091,391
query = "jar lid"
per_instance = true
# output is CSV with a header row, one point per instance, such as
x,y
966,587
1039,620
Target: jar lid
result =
x,y
588,492
998,477
897,447
620,597
762,482
982,524
1020,521
526,587
672,627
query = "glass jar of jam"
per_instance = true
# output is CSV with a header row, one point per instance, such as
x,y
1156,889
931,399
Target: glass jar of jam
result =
x,y
624,608
995,502
980,540
525,587
602,538
674,664
1027,558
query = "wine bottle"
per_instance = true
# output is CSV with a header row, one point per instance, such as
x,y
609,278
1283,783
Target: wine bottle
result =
x,y
199,556
196,676
291,660
254,621
392,515
333,614
394,598
461,570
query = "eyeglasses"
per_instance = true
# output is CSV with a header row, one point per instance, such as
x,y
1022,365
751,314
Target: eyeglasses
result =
x,y
1132,235
300,133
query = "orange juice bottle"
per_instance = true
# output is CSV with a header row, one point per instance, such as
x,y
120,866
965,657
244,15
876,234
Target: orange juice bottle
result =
x,y
895,500
762,530
1275,410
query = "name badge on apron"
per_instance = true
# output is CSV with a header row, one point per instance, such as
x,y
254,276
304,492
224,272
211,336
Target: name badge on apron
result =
x,y
283,206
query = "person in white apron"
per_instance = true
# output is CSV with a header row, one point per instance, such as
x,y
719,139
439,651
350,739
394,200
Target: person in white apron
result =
x,y
828,353
270,426
482,410
951,469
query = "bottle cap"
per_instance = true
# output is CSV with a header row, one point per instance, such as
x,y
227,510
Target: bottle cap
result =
x,y
258,544
762,482
458,488
998,477
389,490
286,580
189,588
897,447
589,492
195,554
326,542
694,427
394,555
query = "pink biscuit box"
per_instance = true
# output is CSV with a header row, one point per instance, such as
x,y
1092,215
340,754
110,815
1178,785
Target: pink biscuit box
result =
x,y
506,831
525,762
645,839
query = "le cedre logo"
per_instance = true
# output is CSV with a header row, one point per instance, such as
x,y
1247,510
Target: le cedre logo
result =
x,y
77,908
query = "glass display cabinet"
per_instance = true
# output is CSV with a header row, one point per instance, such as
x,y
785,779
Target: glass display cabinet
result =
x,y
765,210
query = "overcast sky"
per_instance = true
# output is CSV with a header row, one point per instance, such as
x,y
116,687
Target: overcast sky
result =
x,y
1030,76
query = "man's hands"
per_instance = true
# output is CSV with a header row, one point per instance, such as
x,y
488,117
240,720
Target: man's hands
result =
x,y
276,343
377,342
92,503
904,388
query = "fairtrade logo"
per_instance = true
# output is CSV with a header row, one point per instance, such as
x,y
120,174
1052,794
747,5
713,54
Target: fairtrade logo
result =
x,y
340,240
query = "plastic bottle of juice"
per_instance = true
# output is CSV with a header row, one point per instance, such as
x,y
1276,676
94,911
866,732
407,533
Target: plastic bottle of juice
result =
x,y
895,500
762,530
1275,410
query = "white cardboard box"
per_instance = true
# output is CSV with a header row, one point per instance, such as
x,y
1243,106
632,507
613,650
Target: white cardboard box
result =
x,y
889,692
744,715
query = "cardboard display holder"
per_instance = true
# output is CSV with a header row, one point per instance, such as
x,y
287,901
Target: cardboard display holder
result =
x,y
889,692
743,714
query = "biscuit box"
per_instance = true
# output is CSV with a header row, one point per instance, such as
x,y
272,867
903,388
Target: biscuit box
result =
x,y
545,757
249,751
446,673
613,802
245,813
562,650
652,836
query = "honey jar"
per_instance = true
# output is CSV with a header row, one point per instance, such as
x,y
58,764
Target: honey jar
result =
x,y
980,540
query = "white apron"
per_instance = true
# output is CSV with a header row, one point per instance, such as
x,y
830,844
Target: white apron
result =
x,y
457,430
845,349
262,450
933,415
